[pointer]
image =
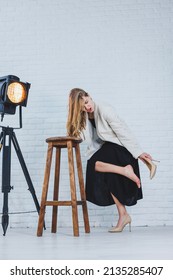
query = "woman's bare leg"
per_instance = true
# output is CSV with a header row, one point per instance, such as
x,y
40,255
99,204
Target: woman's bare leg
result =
x,y
122,212
126,171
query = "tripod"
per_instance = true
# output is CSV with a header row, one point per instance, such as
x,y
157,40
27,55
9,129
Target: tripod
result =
x,y
7,137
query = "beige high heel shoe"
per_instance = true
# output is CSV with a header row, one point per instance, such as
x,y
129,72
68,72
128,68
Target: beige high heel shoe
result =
x,y
127,220
152,167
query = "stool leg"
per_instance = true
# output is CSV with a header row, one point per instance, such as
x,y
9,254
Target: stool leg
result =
x,y
82,189
45,190
73,189
56,189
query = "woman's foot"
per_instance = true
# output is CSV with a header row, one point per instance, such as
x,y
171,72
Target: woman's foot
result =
x,y
126,171
129,173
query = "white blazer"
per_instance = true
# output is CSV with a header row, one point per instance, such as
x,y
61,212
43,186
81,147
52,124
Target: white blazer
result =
x,y
109,127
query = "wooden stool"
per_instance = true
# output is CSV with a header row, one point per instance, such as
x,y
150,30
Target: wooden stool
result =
x,y
59,143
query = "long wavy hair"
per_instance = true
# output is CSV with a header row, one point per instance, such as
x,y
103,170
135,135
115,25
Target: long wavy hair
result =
x,y
76,120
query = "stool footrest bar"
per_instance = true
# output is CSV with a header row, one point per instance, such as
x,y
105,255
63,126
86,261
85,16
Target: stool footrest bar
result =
x,y
62,203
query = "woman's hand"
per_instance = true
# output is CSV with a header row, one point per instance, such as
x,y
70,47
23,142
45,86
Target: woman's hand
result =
x,y
143,156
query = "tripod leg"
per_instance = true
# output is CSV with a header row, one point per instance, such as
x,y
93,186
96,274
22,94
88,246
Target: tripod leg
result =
x,y
6,174
5,217
1,135
25,171
1,140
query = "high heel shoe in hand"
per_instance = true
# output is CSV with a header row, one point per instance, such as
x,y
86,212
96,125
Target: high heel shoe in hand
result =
x,y
152,166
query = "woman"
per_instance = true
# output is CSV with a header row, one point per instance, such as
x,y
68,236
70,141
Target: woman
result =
x,y
112,175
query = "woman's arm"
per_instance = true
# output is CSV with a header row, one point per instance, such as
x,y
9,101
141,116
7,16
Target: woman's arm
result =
x,y
122,131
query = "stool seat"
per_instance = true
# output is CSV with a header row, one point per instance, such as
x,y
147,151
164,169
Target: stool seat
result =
x,y
64,138
61,141
58,143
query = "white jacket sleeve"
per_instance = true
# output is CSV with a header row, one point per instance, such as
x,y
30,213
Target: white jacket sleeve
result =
x,y
122,131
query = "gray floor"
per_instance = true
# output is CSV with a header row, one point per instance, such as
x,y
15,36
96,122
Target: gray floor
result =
x,y
142,243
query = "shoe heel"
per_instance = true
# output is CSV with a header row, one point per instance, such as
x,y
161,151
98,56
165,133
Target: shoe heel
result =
x,y
155,160
130,229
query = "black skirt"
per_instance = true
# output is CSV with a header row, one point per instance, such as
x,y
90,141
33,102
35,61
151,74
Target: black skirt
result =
x,y
100,185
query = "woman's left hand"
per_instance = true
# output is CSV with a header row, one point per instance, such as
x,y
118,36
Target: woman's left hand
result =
x,y
143,156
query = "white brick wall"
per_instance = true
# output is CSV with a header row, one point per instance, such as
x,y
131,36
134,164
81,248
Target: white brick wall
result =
x,y
120,50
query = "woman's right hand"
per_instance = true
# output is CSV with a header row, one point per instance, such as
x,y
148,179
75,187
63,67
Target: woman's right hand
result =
x,y
144,156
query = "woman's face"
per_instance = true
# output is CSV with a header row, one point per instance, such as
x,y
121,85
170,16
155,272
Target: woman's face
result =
x,y
88,104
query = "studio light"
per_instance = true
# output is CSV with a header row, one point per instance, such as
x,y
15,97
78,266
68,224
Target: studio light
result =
x,y
13,92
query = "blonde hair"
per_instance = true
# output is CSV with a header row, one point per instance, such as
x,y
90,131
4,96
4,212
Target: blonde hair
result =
x,y
76,120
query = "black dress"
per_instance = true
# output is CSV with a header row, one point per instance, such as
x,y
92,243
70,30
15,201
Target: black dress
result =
x,y
100,185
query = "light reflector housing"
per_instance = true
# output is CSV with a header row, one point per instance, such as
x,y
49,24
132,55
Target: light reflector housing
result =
x,y
13,92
